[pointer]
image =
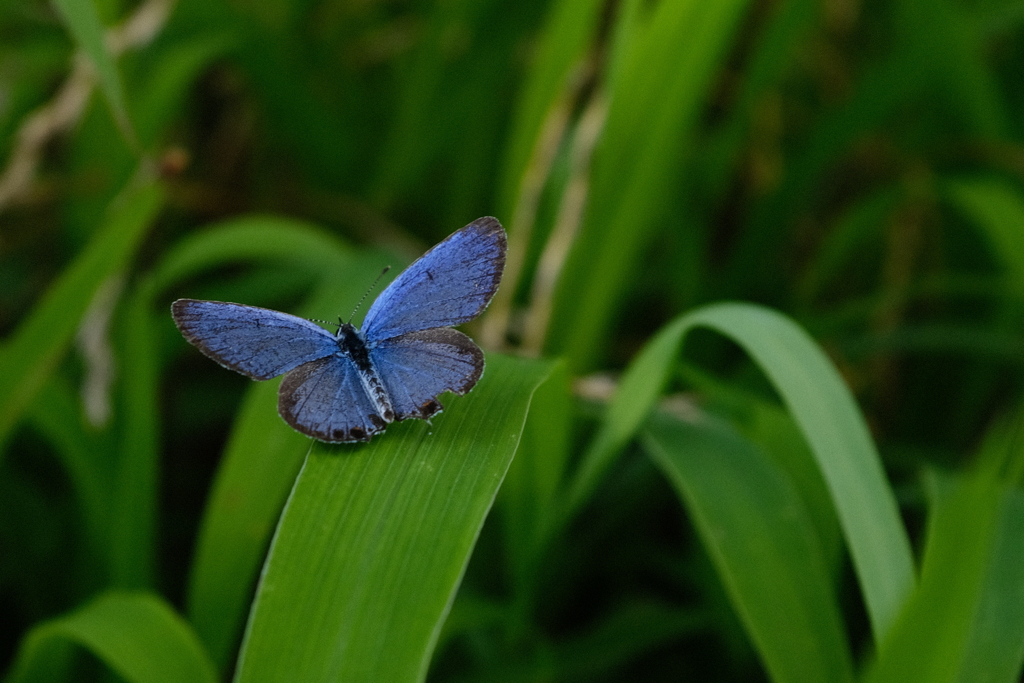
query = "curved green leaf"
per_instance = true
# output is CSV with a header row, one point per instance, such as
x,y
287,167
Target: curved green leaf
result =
x,y
827,415
138,635
758,533
374,540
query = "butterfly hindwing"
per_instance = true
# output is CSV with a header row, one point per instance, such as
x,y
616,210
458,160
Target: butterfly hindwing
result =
x,y
450,284
325,399
418,366
256,342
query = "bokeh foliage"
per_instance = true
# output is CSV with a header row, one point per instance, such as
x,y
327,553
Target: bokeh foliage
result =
x,y
753,400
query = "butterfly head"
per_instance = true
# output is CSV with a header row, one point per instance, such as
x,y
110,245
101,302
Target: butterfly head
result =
x,y
346,332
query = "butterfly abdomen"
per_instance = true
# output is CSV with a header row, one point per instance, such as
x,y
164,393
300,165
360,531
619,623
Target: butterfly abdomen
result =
x,y
351,343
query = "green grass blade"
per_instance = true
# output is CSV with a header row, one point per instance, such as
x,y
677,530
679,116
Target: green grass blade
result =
x,y
771,59
134,501
827,415
137,635
562,45
411,139
881,90
754,525
56,414
660,86
995,649
769,427
966,620
848,238
997,209
947,40
374,540
37,344
85,26
636,395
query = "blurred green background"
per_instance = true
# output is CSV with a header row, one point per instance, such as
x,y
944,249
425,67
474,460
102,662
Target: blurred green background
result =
x,y
856,166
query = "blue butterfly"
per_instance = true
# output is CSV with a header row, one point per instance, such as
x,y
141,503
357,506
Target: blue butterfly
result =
x,y
350,385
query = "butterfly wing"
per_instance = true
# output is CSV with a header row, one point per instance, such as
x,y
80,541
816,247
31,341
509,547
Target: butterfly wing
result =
x,y
416,367
325,399
448,285
256,342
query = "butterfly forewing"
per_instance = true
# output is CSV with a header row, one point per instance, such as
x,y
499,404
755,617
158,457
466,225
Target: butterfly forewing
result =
x,y
256,342
418,366
449,285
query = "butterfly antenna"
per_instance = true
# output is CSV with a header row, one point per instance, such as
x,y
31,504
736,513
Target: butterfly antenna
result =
x,y
386,269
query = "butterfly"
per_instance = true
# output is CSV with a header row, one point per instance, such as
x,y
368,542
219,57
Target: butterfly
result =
x,y
350,385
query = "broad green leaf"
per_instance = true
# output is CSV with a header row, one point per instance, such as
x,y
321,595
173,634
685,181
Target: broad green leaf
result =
x,y
85,26
758,533
374,540
137,635
30,355
824,410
